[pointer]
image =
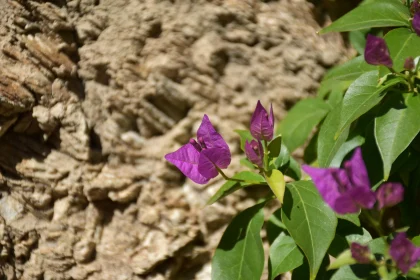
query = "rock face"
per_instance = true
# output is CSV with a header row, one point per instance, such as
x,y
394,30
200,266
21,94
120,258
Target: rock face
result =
x,y
93,93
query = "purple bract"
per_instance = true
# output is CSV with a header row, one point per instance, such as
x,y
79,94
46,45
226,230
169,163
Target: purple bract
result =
x,y
416,23
376,51
360,253
199,160
404,252
345,190
254,152
262,124
389,194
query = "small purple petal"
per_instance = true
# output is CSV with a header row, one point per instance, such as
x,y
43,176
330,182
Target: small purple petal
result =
x,y
262,126
376,51
186,159
390,194
210,158
254,152
416,23
344,204
209,136
356,170
363,197
360,253
326,183
404,253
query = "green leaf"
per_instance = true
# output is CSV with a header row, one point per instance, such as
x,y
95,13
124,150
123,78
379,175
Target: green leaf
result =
x,y
327,145
416,240
274,147
353,218
379,14
301,120
349,71
232,186
240,253
283,158
309,221
244,135
395,128
363,238
402,43
293,169
362,96
245,162
275,180
378,246
274,226
347,147
352,272
284,256
357,39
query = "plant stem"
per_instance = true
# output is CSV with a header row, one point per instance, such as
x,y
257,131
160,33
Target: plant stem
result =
x,y
374,224
265,155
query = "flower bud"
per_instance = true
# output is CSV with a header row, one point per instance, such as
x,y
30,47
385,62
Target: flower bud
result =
x,y
254,152
409,63
403,252
360,253
389,194
376,51
416,23
262,124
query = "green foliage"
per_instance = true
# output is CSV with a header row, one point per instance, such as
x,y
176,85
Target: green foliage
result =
x,y
362,96
249,178
240,253
284,256
377,14
395,127
301,120
358,105
402,43
302,213
328,145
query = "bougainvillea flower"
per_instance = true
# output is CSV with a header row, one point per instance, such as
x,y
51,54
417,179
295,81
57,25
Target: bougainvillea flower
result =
x,y
376,51
262,124
254,152
416,23
345,190
360,253
404,252
389,194
199,160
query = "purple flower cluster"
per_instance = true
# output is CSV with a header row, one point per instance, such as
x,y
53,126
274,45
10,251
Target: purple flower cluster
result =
x,y
404,252
201,160
262,128
347,190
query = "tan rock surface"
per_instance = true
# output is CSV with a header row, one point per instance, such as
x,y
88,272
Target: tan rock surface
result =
x,y
93,94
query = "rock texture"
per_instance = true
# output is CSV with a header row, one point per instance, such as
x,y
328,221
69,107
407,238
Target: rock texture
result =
x,y
93,93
